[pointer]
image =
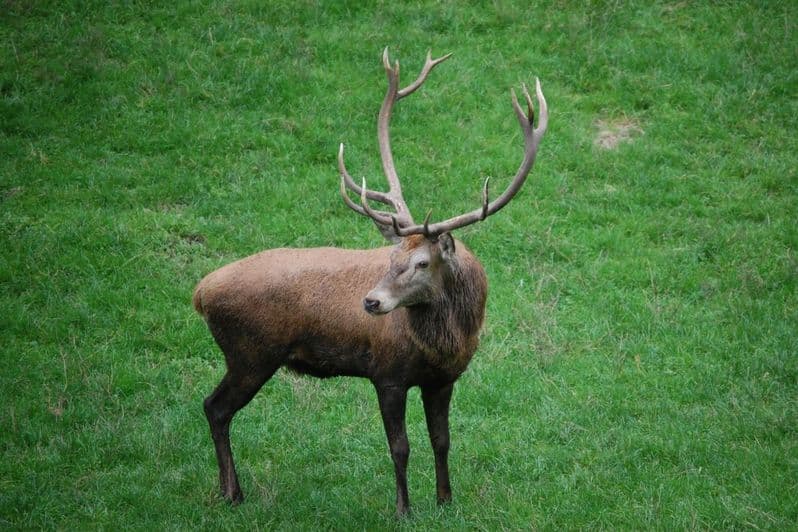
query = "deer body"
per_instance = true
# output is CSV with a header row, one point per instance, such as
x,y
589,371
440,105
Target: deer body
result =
x,y
401,316
303,309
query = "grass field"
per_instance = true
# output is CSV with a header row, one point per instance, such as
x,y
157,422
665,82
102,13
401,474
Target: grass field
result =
x,y
639,361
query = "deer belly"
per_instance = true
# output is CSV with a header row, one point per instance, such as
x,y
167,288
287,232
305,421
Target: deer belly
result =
x,y
321,358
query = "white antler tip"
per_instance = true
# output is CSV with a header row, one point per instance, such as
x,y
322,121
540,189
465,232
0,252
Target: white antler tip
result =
x,y
386,62
544,109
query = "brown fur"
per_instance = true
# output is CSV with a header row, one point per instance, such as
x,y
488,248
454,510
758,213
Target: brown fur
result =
x,y
305,306
304,309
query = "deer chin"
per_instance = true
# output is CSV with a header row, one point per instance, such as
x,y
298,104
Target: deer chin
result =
x,y
378,312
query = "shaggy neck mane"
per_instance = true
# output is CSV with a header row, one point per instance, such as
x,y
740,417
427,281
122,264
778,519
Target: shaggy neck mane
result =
x,y
446,329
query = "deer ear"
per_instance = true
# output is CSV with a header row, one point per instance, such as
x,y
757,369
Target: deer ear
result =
x,y
446,242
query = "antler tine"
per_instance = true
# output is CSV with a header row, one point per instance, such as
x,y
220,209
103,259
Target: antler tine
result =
x,y
532,138
347,180
485,199
382,218
429,64
425,224
387,64
524,118
357,208
349,203
543,120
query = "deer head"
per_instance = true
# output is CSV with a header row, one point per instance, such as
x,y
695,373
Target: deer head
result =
x,y
416,274
418,263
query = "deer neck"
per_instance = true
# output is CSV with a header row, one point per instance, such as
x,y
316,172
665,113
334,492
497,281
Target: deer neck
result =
x,y
446,330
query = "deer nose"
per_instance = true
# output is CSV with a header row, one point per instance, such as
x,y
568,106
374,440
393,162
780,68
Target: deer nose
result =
x,y
371,305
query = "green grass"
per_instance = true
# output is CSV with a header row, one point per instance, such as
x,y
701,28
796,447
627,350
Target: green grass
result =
x,y
639,362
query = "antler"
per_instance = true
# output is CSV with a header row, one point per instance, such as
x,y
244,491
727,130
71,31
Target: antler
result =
x,y
402,222
532,137
393,197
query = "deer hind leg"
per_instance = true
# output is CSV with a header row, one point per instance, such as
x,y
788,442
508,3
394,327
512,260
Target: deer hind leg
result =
x,y
234,391
393,400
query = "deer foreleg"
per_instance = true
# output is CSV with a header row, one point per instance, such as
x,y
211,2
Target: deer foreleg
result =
x,y
436,410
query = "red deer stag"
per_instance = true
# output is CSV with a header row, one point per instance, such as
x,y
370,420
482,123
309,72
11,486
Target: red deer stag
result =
x,y
401,316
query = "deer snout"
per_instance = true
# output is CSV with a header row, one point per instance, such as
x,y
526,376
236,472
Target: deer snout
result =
x,y
380,301
372,306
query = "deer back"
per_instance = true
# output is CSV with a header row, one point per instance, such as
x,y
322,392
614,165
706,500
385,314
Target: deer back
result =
x,y
283,297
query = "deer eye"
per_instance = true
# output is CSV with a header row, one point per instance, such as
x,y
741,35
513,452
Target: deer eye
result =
x,y
422,264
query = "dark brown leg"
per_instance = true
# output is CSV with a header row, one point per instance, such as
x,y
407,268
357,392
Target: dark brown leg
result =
x,y
229,397
392,407
436,410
